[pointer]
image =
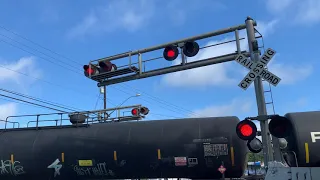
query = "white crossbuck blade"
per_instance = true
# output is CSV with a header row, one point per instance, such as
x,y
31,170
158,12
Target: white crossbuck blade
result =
x,y
257,69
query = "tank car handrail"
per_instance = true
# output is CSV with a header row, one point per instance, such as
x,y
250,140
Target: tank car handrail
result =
x,y
88,115
11,122
47,120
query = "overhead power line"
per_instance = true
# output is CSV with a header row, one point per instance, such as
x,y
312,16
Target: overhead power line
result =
x,y
164,107
150,96
163,115
160,100
40,56
38,99
48,82
27,39
17,99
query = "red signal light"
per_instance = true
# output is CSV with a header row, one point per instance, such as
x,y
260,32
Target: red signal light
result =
x,y
135,112
280,126
170,53
89,71
246,130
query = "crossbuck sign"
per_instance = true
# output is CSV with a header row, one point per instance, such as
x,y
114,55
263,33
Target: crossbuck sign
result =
x,y
257,69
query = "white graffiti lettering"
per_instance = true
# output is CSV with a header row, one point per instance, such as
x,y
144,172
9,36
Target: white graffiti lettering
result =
x,y
98,170
11,168
56,167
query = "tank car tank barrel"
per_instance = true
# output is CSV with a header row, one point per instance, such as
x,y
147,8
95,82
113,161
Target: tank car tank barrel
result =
x,y
184,148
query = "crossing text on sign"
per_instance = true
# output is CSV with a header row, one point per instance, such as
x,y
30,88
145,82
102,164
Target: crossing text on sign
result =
x,y
265,74
257,69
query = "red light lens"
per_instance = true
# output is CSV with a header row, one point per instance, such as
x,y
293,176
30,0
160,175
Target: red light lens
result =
x,y
246,130
134,112
90,71
171,53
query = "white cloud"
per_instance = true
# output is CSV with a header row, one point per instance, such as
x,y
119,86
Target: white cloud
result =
x,y
309,12
118,14
7,109
223,74
181,13
235,108
267,28
302,12
292,73
24,65
276,6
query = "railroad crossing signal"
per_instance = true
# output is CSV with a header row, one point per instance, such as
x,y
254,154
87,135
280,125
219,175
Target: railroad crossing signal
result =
x,y
189,48
222,169
257,69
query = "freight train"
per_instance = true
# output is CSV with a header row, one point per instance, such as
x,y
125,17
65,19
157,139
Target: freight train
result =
x,y
303,139
192,148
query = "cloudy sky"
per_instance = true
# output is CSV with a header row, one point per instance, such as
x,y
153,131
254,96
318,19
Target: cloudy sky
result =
x,y
44,44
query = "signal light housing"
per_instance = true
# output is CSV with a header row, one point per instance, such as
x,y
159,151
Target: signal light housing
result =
x,y
107,66
170,53
280,126
90,71
246,130
191,49
255,145
144,110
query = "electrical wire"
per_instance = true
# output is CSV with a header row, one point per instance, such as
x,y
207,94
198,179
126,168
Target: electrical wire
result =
x,y
76,67
39,56
48,82
161,100
156,114
17,99
164,107
150,96
95,106
38,99
27,39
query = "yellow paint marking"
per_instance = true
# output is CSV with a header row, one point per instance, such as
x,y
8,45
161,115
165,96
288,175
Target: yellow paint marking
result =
x,y
62,157
306,147
12,160
232,156
85,163
115,155
159,154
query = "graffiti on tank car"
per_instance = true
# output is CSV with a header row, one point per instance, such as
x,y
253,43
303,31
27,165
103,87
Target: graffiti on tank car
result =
x,y
99,170
56,166
8,167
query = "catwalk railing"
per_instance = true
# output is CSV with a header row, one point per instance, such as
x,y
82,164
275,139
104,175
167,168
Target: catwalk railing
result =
x,y
70,119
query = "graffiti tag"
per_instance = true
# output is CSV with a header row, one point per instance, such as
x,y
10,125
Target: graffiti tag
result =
x,y
56,167
11,168
98,170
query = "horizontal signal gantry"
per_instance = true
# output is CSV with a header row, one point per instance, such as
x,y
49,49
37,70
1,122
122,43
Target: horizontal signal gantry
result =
x,y
106,71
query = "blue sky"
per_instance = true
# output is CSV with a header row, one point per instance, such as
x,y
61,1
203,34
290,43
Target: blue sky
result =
x,y
80,31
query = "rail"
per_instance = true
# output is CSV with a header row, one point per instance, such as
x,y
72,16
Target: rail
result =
x,y
76,119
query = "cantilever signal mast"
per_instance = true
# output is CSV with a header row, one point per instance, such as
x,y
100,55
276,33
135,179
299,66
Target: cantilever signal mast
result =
x,y
105,72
